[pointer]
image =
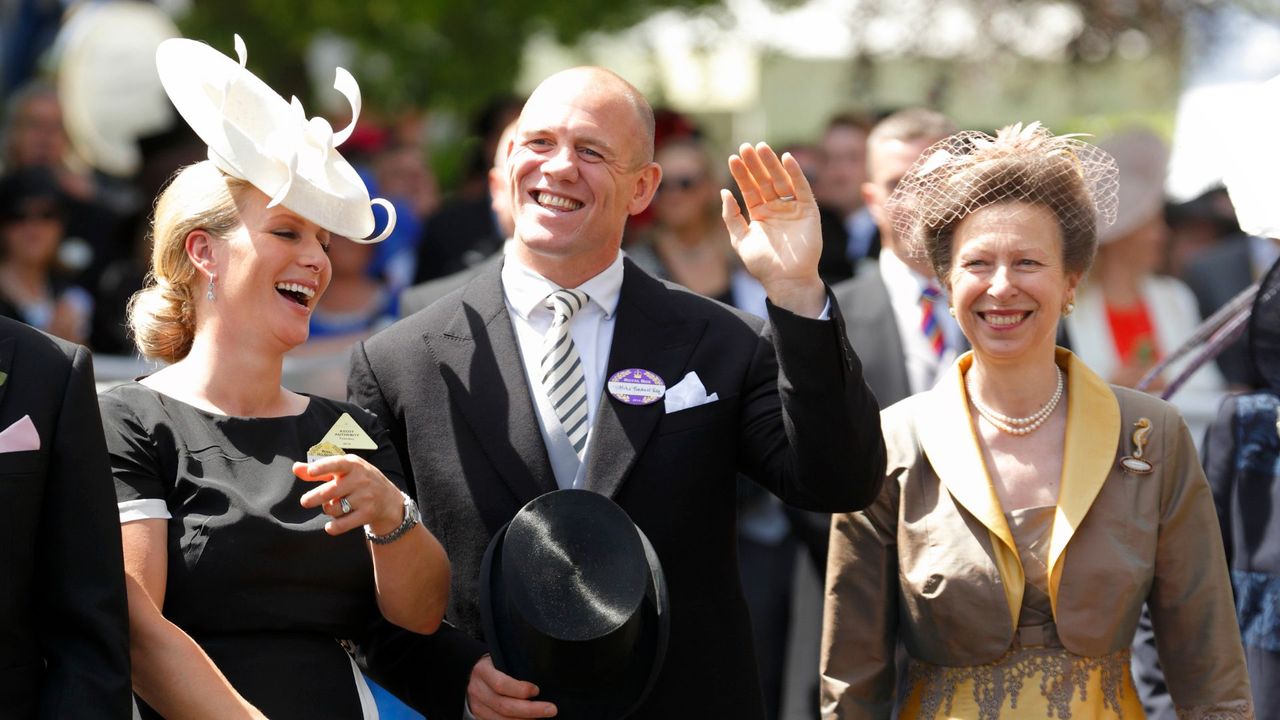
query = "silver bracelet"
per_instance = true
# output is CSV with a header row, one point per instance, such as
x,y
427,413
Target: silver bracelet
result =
x,y
411,517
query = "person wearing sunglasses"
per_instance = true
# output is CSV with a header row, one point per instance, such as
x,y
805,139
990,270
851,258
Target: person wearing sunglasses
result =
x,y
33,287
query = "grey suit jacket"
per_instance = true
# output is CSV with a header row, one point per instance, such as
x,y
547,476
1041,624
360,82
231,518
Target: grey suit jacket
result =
x,y
873,333
423,294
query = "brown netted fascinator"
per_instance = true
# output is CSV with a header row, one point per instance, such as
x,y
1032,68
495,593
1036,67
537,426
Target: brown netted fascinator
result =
x,y
970,170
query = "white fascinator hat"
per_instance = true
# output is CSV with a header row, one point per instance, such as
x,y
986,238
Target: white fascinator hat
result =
x,y
254,135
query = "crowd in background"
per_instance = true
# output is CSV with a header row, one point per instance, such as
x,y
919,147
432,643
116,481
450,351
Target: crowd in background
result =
x,y
74,245
73,250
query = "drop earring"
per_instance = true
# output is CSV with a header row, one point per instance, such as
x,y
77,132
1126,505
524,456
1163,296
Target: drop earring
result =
x,y
951,309
210,294
1070,308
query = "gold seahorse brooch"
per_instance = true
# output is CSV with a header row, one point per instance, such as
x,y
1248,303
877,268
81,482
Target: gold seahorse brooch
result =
x,y
1137,463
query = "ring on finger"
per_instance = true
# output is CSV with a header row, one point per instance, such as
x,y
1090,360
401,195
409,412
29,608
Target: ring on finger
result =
x,y
345,505
787,198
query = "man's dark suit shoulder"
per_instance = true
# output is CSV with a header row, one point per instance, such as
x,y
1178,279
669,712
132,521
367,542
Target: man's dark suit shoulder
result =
x,y
423,294
443,310
418,323
48,351
63,622
692,304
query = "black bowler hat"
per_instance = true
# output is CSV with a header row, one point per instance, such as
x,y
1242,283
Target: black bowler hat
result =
x,y
572,599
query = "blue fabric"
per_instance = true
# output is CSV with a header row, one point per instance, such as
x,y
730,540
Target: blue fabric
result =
x,y
401,245
389,706
1257,471
1258,607
329,325
1257,438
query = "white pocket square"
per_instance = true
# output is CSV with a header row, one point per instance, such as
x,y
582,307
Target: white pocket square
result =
x,y
20,436
688,393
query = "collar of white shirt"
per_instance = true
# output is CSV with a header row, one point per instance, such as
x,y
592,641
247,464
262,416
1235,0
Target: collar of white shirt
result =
x,y
905,288
526,290
905,285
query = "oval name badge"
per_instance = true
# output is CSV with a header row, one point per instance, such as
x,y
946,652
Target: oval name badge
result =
x,y
635,386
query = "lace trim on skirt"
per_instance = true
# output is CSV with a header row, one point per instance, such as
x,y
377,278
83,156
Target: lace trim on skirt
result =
x,y
1233,710
998,684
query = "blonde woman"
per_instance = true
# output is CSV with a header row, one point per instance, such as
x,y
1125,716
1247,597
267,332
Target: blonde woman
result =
x,y
248,558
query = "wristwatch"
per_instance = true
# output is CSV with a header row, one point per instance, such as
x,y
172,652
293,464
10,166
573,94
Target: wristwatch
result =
x,y
411,517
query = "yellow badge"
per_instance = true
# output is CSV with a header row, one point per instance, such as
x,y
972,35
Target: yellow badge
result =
x,y
322,449
348,435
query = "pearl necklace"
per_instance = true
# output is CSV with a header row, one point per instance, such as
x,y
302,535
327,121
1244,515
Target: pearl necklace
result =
x,y
1017,425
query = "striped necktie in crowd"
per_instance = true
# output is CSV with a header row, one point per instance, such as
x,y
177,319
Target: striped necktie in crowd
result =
x,y
929,324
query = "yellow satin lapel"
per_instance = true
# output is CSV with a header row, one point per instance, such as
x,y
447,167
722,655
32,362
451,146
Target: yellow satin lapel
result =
x,y
951,445
1093,426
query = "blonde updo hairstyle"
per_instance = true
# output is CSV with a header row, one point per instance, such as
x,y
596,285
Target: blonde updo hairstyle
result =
x,y
162,314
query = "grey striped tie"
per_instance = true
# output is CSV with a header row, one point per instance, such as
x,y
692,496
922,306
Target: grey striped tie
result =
x,y
562,376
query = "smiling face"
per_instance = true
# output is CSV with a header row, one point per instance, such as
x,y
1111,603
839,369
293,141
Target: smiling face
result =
x,y
271,272
1008,282
579,166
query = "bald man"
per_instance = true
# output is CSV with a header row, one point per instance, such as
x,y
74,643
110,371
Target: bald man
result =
x,y
461,387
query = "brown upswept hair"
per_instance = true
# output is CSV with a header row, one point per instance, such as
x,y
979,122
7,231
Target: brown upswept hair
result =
x,y
967,171
162,315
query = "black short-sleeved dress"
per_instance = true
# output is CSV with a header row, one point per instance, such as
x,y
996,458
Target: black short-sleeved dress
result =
x,y
252,575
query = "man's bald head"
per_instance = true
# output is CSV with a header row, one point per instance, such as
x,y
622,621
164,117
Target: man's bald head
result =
x,y
581,164
590,81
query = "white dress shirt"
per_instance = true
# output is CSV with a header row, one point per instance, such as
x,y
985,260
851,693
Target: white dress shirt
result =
x,y
592,331
905,287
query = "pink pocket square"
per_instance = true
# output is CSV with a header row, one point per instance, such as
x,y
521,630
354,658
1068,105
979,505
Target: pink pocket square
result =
x,y
20,436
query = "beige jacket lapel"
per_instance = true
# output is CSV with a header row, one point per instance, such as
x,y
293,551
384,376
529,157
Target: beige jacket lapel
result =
x,y
950,443
1093,429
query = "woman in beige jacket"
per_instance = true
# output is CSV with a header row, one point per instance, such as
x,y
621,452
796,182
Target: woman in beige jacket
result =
x,y
1030,509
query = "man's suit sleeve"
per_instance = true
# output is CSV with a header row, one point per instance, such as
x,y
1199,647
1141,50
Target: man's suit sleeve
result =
x,y
81,602
363,390
828,454
427,672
